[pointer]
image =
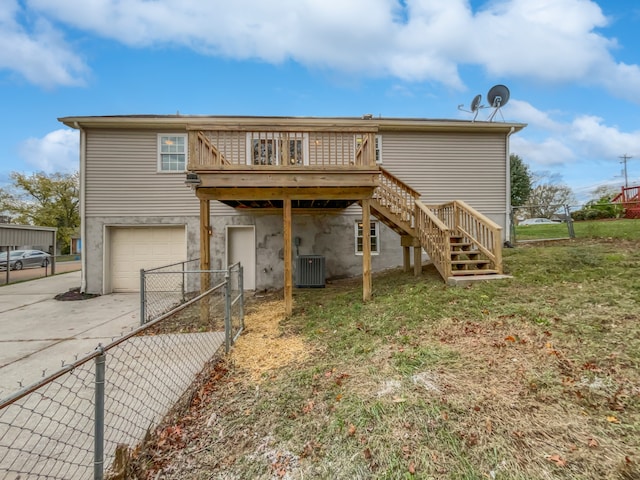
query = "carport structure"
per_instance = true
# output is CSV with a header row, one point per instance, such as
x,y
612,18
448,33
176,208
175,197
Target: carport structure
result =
x,y
12,236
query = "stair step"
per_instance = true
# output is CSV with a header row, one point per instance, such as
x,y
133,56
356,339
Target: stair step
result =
x,y
470,262
472,254
460,273
460,246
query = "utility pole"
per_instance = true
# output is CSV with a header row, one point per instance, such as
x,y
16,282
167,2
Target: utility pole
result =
x,y
624,158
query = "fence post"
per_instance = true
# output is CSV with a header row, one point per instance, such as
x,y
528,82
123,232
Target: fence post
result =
x,y
143,298
512,226
184,278
241,286
98,449
227,312
567,212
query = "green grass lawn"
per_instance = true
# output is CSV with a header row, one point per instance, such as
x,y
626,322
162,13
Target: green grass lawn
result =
x,y
532,378
616,228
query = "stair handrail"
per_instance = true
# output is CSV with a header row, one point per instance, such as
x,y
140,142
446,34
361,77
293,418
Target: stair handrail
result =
x,y
434,237
203,153
366,151
397,197
483,232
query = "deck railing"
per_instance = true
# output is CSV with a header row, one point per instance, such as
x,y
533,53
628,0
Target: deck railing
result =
x,y
627,195
434,237
222,149
485,234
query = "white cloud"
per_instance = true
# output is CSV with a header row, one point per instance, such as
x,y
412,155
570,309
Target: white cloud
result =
x,y
426,40
601,140
584,140
40,55
56,152
548,152
527,113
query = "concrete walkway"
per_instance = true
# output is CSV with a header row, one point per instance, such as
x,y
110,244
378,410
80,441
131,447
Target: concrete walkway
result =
x,y
38,333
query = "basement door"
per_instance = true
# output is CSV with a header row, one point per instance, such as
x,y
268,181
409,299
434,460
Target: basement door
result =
x,y
241,247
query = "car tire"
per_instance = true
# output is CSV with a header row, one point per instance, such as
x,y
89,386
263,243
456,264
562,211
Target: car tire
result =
x,y
17,265
45,263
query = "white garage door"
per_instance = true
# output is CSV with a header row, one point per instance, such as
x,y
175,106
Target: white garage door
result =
x,y
143,247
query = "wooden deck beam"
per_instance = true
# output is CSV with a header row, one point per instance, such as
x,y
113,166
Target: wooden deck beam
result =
x,y
279,193
288,270
287,178
366,250
205,256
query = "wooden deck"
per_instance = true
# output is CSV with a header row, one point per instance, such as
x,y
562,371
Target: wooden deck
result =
x,y
331,169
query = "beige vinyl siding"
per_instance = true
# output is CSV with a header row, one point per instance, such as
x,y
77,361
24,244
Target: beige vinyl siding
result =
x,y
450,166
122,178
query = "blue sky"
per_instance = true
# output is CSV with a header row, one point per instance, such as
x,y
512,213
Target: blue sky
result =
x,y
572,66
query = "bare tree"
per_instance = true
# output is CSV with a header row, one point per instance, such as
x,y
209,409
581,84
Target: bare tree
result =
x,y
547,199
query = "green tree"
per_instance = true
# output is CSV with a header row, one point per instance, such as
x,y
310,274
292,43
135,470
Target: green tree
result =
x,y
520,181
600,206
44,200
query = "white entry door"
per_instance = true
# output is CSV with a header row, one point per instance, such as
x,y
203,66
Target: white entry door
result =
x,y
241,247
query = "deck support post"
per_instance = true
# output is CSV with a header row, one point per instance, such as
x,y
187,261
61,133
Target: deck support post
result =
x,y
288,270
406,242
406,259
205,255
417,259
366,250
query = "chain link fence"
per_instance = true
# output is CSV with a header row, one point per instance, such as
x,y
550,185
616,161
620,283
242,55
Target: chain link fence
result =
x,y
557,222
70,424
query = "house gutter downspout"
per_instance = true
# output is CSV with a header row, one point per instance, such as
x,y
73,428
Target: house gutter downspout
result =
x,y
83,223
507,233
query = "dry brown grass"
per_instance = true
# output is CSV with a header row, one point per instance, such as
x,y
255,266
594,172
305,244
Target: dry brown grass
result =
x,y
537,378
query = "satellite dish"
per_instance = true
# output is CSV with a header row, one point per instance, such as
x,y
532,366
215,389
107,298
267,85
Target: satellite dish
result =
x,y
475,103
498,97
475,106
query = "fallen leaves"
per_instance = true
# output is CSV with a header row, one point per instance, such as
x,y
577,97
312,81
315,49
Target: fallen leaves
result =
x,y
308,407
558,460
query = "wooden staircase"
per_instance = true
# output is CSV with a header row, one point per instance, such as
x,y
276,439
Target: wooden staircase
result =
x,y
467,260
459,240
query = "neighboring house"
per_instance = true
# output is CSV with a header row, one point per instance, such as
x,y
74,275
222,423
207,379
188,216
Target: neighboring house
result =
x,y
75,244
256,181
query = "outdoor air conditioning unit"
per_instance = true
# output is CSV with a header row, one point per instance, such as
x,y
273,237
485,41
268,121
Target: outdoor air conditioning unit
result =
x,y
310,271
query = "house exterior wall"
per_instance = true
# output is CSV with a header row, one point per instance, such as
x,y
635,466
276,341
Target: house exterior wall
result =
x,y
124,188
328,234
448,166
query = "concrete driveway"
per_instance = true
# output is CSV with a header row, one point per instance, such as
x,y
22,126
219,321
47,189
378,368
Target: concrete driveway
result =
x,y
39,333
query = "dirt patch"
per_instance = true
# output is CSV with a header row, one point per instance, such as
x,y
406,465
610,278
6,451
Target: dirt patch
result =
x,y
75,294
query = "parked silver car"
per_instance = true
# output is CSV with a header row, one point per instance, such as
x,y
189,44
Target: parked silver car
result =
x,y
19,259
537,221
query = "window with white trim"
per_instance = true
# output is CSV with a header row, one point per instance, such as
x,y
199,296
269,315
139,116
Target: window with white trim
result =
x,y
374,229
275,148
378,147
172,152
